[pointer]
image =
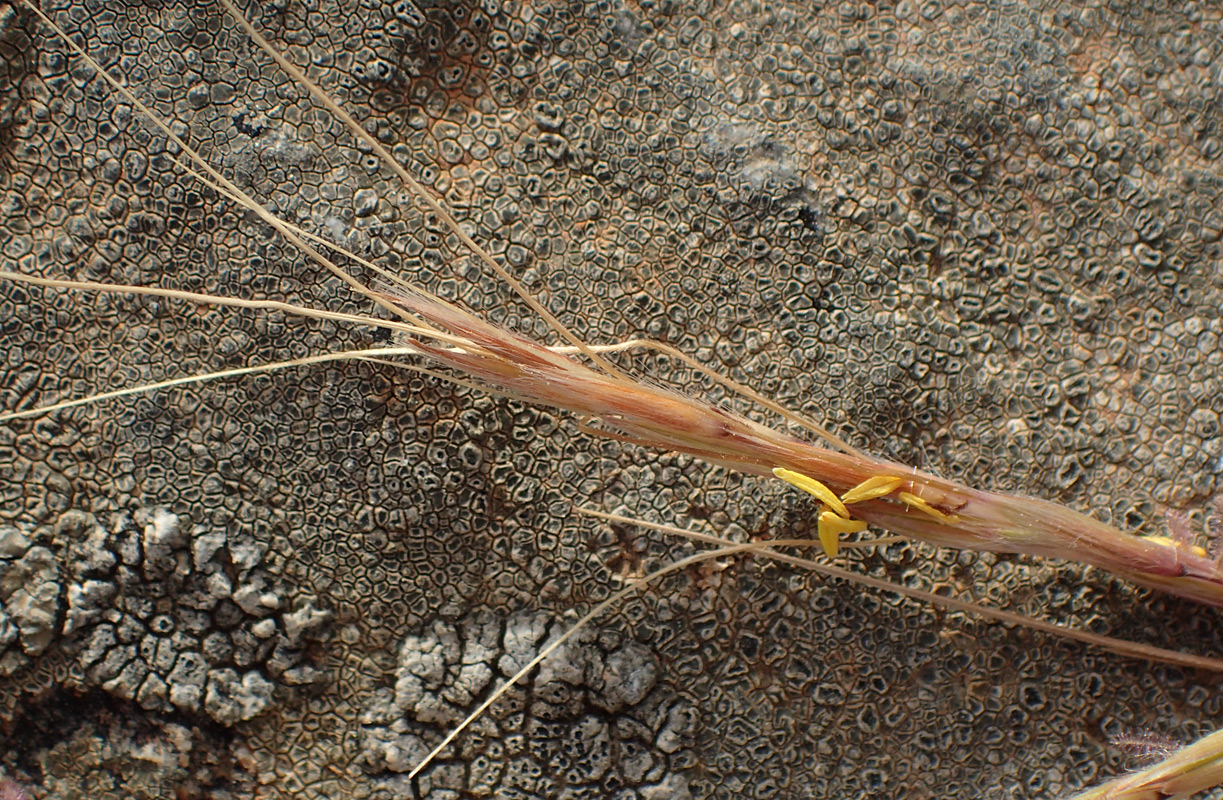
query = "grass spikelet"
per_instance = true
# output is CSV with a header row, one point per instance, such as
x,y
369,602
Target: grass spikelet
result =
x,y
924,507
1182,774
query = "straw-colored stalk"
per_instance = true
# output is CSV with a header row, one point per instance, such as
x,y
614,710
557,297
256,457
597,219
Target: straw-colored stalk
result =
x,y
918,505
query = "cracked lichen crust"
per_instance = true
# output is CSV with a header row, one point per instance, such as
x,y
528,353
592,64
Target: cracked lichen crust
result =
x,y
979,237
593,720
174,619
99,747
29,599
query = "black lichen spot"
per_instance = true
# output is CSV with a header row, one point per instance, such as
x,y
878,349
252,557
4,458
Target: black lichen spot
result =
x,y
810,217
245,124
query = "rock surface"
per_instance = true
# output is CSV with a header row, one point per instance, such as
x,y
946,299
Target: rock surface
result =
x,y
980,238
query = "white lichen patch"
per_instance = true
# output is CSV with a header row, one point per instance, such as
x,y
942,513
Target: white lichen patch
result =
x,y
550,731
171,617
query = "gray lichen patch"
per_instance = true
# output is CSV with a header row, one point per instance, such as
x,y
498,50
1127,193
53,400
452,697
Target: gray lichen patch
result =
x,y
187,620
29,599
592,715
233,698
100,748
759,167
169,617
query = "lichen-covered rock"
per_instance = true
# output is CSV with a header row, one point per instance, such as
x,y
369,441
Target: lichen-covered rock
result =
x,y
164,619
157,614
231,698
445,670
979,237
110,750
30,596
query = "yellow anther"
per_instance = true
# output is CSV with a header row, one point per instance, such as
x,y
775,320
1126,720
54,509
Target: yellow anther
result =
x,y
871,488
914,501
1192,548
814,488
831,527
